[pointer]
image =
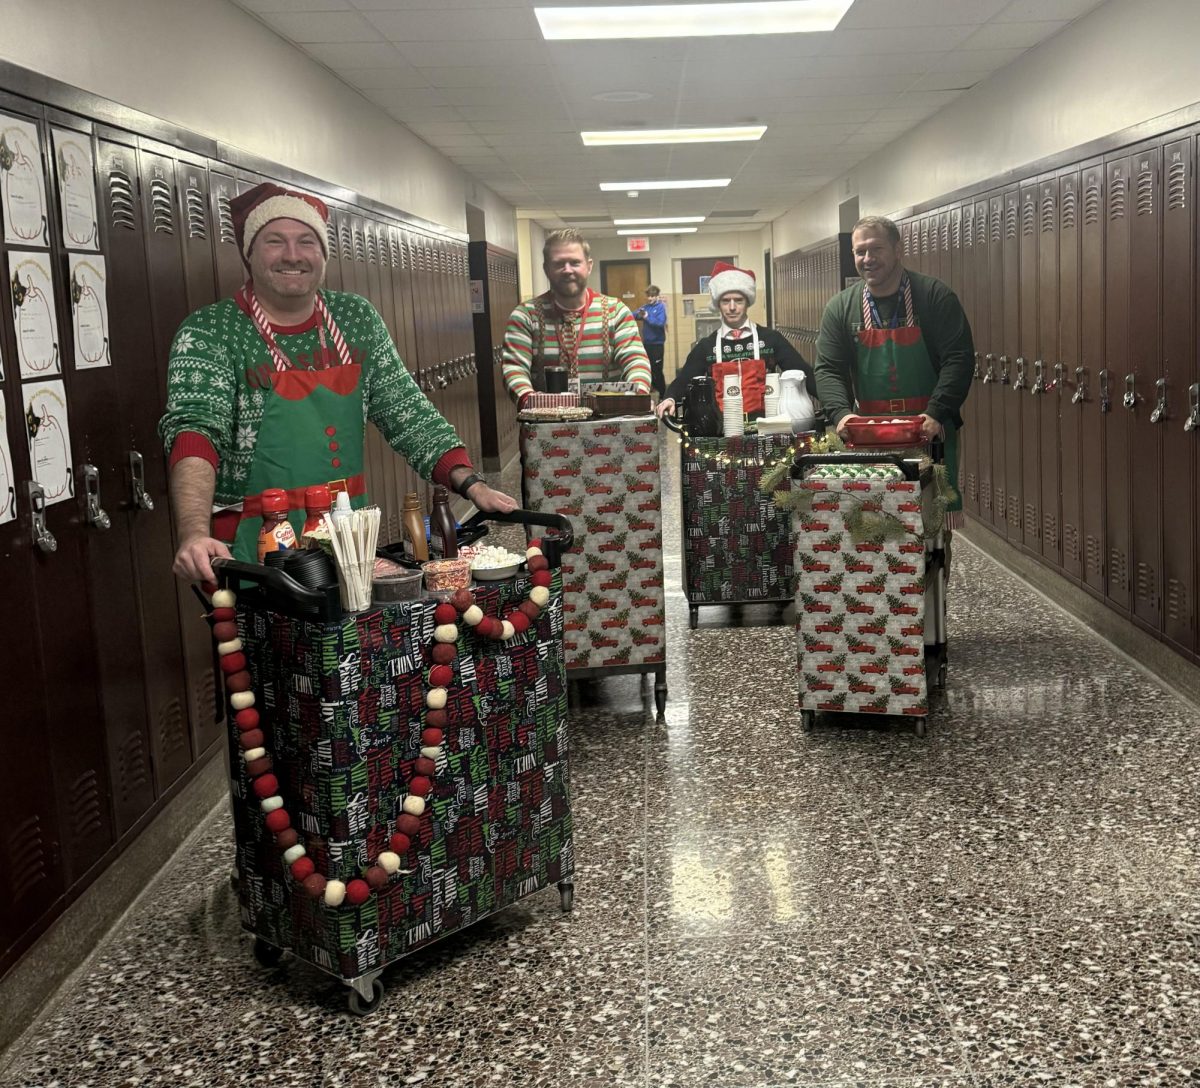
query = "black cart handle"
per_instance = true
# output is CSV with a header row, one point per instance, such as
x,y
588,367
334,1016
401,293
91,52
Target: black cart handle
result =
x,y
671,422
553,548
281,588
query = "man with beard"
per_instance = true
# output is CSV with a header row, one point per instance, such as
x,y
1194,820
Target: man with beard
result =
x,y
272,389
591,336
896,344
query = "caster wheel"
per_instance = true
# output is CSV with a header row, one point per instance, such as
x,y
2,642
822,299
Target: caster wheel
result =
x,y
566,897
920,727
942,669
266,953
808,720
359,1005
693,617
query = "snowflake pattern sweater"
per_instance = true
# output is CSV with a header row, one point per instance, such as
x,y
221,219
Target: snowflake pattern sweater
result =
x,y
219,379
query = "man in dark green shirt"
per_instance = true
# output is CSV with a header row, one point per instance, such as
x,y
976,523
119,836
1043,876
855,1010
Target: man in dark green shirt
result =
x,y
896,344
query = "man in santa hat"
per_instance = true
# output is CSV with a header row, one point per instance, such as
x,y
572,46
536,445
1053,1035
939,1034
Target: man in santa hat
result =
x,y
739,344
273,388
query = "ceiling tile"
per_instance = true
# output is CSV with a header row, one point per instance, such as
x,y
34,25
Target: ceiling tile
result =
x,y
538,75
351,58
949,81
1012,35
448,54
385,79
1021,11
439,25
978,60
867,14
261,6
323,27
427,113
924,39
410,99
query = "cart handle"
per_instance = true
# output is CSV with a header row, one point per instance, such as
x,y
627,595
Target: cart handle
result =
x,y
554,548
282,587
671,422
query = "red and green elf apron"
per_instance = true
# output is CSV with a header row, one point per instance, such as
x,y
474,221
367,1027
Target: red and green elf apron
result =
x,y
895,376
312,429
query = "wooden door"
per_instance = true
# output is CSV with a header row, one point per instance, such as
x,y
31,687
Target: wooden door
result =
x,y
1069,391
625,280
1117,422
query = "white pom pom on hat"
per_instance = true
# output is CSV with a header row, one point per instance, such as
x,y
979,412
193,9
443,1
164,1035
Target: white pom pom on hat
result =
x,y
727,277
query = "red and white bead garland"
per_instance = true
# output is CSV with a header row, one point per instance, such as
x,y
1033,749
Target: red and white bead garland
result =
x,y
443,652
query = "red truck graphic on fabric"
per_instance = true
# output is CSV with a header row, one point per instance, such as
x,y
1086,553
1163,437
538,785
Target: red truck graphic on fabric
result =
x,y
531,473
564,432
914,589
901,648
912,547
612,584
603,565
555,453
638,447
610,508
600,603
910,507
899,566
816,646
644,602
861,647
650,545
913,630
596,527
811,604
876,667
918,711
652,583
598,489
903,687
829,544
643,507
607,470
641,525
572,511
834,664
605,643
901,485
632,483
572,468
838,702
811,562
913,670
575,625
872,506
898,607
649,466
861,687
827,504
858,566
642,564
875,627
646,428
616,544
643,638
815,683
869,546
814,526
595,449
832,626
856,485
875,706
832,584
608,430
556,491
858,608
621,619
654,621
873,585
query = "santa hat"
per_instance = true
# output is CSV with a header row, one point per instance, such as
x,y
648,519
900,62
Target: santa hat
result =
x,y
726,278
255,208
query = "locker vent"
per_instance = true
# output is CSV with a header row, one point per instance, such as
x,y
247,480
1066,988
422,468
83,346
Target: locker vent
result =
x,y
331,240
925,236
85,808
133,769
1071,543
162,218
207,708
945,233
393,249
1010,219
981,228
1047,211
972,488
1095,556
25,852
1091,202
172,730
997,223
1000,503
1145,192
1031,521
360,249
344,242
1070,200
1177,186
1116,201
985,494
1147,576
372,257
225,230
1118,569
1050,531
1177,601
1014,511
120,199
1028,218
196,219
968,232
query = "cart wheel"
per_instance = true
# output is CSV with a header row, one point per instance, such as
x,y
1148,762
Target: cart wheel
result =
x,y
808,720
359,1005
566,897
920,727
943,667
266,953
693,617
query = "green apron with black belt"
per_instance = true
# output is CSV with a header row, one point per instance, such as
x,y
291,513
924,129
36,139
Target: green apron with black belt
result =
x,y
894,374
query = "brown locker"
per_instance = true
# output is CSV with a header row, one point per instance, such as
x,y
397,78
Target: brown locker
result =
x,y
945,261
1117,422
954,272
981,390
98,429
1070,390
333,259
387,487
1145,366
1047,384
1030,350
1003,363
402,294
1015,386
1096,391
962,255
227,260
1181,372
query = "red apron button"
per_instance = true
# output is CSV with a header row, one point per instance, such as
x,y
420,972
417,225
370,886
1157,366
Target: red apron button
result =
x,y
331,431
336,462
333,446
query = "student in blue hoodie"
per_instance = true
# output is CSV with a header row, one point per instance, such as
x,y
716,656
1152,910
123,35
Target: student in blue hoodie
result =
x,y
654,336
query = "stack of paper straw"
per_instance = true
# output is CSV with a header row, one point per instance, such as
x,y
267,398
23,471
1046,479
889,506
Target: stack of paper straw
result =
x,y
354,539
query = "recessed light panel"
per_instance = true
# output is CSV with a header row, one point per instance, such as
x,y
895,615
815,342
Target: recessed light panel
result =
x,y
661,221
662,230
691,20
704,183
633,137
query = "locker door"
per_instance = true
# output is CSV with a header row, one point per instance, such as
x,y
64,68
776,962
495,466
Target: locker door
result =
x,y
354,277
385,489
954,276
1068,393
1181,371
159,273
1013,453
1030,352
981,390
1145,364
1117,423
962,254
1097,399
98,428
1048,398
1003,362
333,261
945,261
231,273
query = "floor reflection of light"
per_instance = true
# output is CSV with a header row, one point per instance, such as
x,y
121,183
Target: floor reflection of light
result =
x,y
775,868
699,890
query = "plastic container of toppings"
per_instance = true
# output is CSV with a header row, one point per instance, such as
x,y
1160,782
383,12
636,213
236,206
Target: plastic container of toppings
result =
x,y
491,563
398,585
447,575
880,431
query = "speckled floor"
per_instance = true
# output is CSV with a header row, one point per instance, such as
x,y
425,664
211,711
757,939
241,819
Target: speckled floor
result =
x,y
1014,900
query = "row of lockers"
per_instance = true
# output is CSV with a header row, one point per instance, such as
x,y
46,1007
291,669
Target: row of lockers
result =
x,y
109,688
496,269
1081,443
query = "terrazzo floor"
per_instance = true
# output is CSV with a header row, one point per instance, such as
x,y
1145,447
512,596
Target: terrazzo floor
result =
x,y
1014,900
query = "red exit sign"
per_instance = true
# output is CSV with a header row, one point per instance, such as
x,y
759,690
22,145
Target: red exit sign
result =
x,y
637,245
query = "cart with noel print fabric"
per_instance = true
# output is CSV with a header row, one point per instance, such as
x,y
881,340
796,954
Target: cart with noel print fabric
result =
x,y
605,476
418,818
870,592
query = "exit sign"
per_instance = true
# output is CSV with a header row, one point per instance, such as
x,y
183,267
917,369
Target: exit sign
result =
x,y
637,245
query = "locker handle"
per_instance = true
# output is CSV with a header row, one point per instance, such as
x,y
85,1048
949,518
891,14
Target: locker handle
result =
x,y
1105,399
990,373
96,516
1131,398
1160,407
1020,382
1039,381
1080,393
137,479
1004,378
42,537
975,372
1192,422
1059,370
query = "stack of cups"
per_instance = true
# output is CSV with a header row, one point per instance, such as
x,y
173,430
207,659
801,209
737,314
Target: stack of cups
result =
x,y
771,395
735,419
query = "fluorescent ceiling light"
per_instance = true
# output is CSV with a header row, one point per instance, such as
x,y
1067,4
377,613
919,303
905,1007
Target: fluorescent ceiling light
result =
x,y
691,20
628,136
662,230
622,186
659,221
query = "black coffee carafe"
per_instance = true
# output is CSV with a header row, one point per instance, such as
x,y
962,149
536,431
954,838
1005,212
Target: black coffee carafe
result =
x,y
700,413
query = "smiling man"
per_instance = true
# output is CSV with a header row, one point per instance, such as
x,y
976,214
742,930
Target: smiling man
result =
x,y
896,344
272,389
591,336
